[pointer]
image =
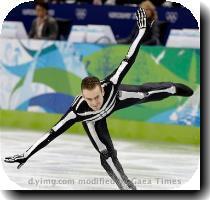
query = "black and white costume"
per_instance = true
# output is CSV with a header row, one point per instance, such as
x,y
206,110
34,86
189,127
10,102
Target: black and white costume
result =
x,y
117,96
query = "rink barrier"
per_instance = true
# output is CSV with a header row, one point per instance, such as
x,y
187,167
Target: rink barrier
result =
x,y
119,129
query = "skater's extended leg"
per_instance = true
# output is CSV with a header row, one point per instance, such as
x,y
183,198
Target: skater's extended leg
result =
x,y
136,94
99,135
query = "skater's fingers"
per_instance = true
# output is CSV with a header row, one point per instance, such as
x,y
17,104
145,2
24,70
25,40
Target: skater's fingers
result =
x,y
9,160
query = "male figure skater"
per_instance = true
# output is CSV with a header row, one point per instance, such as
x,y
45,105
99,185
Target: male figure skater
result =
x,y
98,100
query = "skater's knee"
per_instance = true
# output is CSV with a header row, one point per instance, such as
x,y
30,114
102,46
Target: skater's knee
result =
x,y
105,154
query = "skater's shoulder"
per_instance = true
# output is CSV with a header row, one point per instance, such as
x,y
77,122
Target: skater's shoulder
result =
x,y
77,103
106,83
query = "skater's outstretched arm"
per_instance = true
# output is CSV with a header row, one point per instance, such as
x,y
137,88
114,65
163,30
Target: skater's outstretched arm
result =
x,y
63,124
117,76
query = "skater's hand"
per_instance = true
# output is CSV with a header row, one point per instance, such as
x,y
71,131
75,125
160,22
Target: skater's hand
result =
x,y
20,158
141,18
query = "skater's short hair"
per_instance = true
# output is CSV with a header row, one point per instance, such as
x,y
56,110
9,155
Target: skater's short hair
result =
x,y
90,83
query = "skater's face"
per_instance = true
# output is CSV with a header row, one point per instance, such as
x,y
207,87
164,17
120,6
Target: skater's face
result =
x,y
94,97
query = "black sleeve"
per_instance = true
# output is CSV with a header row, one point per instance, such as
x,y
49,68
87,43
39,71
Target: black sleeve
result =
x,y
117,76
32,30
53,29
154,35
66,121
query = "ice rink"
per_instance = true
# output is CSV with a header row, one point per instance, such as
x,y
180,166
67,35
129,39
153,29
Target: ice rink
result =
x,y
71,163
